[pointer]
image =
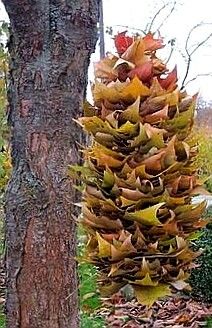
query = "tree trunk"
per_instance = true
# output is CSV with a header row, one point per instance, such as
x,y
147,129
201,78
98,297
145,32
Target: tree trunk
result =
x,y
50,46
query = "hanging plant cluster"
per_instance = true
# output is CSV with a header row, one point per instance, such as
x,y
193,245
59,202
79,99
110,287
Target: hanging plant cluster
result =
x,y
140,173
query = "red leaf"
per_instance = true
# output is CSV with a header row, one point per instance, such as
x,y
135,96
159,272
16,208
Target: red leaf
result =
x,y
143,72
170,80
151,43
122,42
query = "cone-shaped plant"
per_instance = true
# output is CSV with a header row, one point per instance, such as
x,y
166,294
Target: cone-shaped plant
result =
x,y
140,173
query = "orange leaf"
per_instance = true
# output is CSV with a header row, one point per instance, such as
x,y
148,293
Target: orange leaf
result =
x,y
152,44
135,53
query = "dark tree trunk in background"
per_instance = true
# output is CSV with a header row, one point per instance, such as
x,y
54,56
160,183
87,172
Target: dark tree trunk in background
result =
x,y
50,46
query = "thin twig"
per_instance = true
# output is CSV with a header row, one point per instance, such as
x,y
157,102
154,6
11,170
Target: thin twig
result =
x,y
167,17
197,76
186,73
190,53
189,36
156,15
201,43
170,55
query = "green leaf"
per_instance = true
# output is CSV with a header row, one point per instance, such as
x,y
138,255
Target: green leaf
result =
x,y
109,179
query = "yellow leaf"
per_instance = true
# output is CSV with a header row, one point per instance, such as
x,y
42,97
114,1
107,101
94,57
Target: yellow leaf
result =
x,y
109,92
146,281
155,141
112,119
141,172
132,112
87,296
147,216
128,128
147,295
95,124
125,170
135,52
89,110
169,157
116,91
104,246
134,89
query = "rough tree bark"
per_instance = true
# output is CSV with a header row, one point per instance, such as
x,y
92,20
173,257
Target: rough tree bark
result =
x,y
50,46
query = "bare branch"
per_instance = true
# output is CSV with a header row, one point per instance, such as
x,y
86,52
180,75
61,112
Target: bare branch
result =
x,y
170,55
190,53
167,17
197,76
201,43
186,73
156,15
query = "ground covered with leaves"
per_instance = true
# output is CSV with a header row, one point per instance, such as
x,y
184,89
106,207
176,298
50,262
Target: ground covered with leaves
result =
x,y
176,312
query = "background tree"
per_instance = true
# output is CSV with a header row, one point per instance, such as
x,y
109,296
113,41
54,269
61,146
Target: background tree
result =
x,y
50,46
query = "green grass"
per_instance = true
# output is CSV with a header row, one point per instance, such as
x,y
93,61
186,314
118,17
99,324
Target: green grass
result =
x,y
209,322
89,321
2,318
89,295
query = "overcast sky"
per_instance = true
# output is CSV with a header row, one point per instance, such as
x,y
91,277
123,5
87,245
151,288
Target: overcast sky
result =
x,y
137,13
